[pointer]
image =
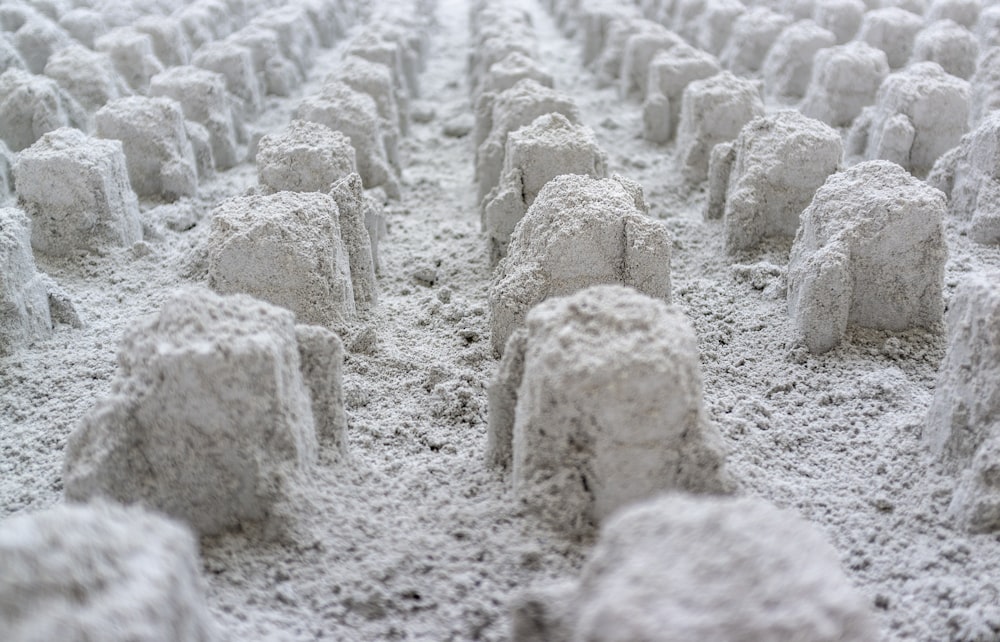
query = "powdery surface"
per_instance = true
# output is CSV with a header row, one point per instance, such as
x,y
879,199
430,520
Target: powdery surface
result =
x,y
417,539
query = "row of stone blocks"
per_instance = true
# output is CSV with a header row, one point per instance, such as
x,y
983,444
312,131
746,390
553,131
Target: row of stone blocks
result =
x,y
211,92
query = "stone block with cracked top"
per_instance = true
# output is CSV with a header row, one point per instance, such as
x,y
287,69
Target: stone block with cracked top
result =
x,y
870,252
101,572
158,152
76,190
286,249
919,114
713,111
778,163
702,568
210,414
550,146
597,404
580,231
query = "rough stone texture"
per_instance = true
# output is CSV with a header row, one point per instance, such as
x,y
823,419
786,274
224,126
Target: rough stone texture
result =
x,y
779,161
841,17
203,97
76,190
579,232
160,159
919,114
870,252
497,115
24,303
536,154
88,76
306,157
604,409
375,80
639,51
975,505
208,417
166,33
33,105
963,12
892,30
985,86
285,249
360,223
355,114
713,110
235,63
670,72
702,568
279,75
101,572
969,175
321,360
508,71
789,63
753,34
950,45
84,25
131,52
845,80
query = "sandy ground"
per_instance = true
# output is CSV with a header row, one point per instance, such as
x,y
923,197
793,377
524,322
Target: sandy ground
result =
x,y
417,539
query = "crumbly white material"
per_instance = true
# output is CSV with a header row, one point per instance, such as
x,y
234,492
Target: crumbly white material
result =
x,y
670,72
845,80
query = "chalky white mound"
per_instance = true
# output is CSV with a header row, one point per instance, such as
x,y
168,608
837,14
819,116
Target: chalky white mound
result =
x,y
214,409
919,114
306,157
752,35
76,190
948,44
970,176
789,63
713,111
536,154
699,568
288,249
893,30
845,80
598,403
670,72
870,252
985,96
762,181
961,425
34,105
579,232
24,299
101,572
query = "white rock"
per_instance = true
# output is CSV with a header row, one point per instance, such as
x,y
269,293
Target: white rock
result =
x,y
170,44
670,72
508,71
38,39
870,252
597,19
23,293
209,416
788,65
362,222
715,24
161,161
203,97
970,176
306,157
779,161
235,63
919,113
84,25
549,147
702,568
579,232
76,190
89,77
101,572
985,84
892,30
987,28
713,110
497,115
33,105
355,114
845,80
375,80
841,17
277,75
948,44
752,36
964,12
296,36
640,49
286,249
597,404
131,52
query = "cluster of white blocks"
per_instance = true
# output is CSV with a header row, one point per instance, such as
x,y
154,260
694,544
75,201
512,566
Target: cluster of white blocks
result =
x,y
597,403
701,568
218,403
